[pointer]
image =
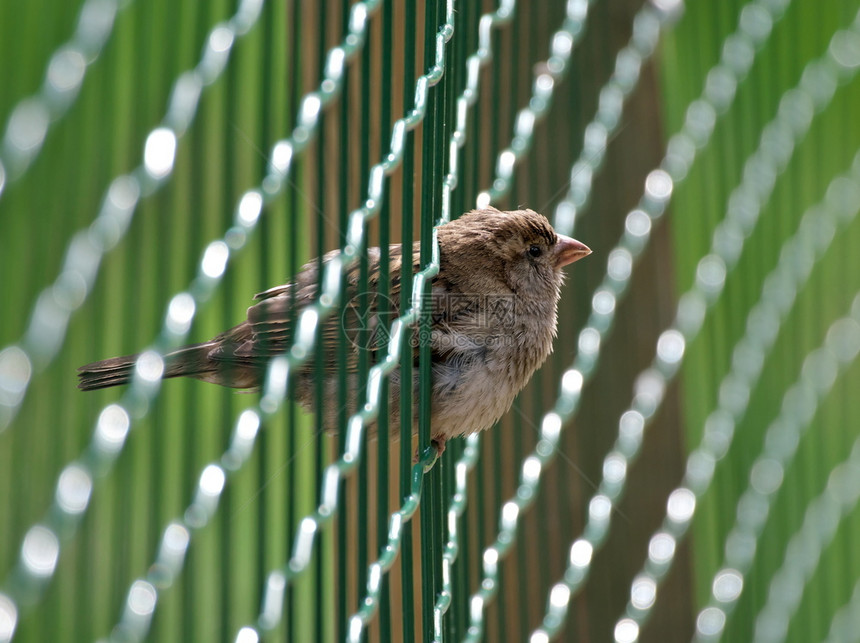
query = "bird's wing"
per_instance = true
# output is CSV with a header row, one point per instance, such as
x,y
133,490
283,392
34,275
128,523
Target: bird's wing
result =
x,y
360,325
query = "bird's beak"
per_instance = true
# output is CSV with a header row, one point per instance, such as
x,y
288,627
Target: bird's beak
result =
x,y
568,250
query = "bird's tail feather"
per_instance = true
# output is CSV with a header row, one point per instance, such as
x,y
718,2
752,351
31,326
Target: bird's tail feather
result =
x,y
189,360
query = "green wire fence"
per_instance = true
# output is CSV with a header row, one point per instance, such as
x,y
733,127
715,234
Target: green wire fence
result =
x,y
161,162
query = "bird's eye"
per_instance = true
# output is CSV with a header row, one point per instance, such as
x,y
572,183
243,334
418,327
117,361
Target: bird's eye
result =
x,y
535,251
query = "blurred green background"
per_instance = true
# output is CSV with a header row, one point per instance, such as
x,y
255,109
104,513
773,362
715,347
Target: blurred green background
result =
x,y
225,151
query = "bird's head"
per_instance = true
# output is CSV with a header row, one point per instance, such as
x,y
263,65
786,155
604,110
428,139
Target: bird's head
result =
x,y
509,251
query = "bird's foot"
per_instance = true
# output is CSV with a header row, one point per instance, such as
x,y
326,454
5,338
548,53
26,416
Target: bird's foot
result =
x,y
431,454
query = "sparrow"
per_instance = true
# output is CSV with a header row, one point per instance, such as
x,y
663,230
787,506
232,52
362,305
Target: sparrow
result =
x,y
493,317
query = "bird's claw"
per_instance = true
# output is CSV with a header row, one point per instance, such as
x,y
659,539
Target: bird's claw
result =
x,y
431,454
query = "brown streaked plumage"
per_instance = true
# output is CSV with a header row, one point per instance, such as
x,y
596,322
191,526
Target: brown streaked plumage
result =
x,y
493,308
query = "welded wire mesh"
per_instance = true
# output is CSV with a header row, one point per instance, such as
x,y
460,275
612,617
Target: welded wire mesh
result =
x,y
163,161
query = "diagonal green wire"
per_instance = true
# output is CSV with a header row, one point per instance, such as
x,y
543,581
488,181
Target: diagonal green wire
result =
x,y
781,287
543,88
277,580
213,478
824,514
562,44
845,625
56,303
115,421
648,25
795,114
778,140
32,117
561,49
176,536
820,370
756,23
480,58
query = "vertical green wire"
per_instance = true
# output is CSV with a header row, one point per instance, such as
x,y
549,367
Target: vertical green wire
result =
x,y
560,501
472,168
342,411
225,547
134,329
523,44
193,584
319,349
540,577
451,82
407,603
293,232
447,493
495,509
519,47
280,55
464,42
77,585
264,525
428,213
488,497
104,337
165,412
459,581
363,337
215,576
384,309
497,131
494,493
87,588
444,118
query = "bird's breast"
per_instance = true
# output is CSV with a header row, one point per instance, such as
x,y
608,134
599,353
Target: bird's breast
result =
x,y
477,376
